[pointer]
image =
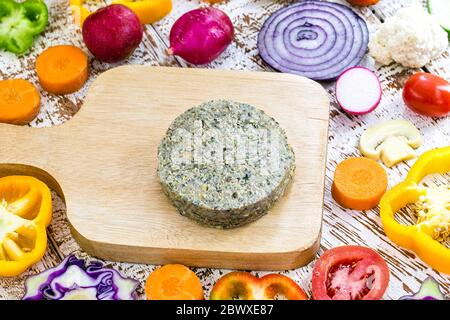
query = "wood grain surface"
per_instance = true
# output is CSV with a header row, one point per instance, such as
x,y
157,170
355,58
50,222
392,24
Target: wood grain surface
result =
x,y
109,149
341,226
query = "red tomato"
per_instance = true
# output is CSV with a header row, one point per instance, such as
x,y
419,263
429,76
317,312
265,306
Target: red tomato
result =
x,y
350,273
427,94
245,286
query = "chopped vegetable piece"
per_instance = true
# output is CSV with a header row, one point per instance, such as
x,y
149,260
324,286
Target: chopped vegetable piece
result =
x,y
363,2
350,273
358,91
235,286
411,37
359,183
391,141
201,35
173,282
20,23
245,286
429,290
62,69
441,10
433,212
148,11
19,101
25,212
315,39
419,238
427,94
79,12
73,279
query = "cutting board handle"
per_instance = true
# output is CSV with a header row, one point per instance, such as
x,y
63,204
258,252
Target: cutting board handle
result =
x,y
10,169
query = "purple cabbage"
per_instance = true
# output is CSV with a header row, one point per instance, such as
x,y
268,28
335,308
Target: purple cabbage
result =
x,y
74,280
429,290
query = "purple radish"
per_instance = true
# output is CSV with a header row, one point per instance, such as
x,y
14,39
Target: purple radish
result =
x,y
201,35
112,33
358,91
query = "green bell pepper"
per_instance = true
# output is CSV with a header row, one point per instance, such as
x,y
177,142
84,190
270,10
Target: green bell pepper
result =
x,y
20,23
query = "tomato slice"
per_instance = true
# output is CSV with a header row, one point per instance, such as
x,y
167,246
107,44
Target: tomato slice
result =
x,y
245,286
350,273
279,287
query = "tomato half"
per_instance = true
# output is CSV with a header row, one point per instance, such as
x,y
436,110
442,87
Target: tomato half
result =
x,y
245,286
350,273
427,94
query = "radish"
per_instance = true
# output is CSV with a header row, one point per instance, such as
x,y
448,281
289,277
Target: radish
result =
x,y
201,35
112,33
358,91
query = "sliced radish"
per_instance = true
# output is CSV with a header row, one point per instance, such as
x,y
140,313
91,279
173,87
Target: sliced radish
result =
x,y
358,91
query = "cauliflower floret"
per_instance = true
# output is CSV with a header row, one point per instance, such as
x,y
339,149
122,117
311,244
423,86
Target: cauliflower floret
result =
x,y
433,212
412,38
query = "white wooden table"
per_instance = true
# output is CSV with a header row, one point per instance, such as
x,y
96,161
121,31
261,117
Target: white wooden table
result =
x,y
340,226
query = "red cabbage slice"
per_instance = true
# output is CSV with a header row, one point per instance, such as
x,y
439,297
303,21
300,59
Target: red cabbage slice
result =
x,y
73,279
429,290
315,39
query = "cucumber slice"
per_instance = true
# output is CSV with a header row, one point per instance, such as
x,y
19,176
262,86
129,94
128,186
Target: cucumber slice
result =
x,y
441,10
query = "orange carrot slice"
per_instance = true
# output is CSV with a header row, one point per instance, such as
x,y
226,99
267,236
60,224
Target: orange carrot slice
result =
x,y
62,69
19,101
359,183
173,282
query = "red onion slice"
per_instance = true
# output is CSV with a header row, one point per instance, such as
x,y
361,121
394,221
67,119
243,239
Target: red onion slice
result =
x,y
315,39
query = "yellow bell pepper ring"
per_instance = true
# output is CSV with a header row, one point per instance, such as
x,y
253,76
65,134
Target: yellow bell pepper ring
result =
x,y
148,11
417,238
25,213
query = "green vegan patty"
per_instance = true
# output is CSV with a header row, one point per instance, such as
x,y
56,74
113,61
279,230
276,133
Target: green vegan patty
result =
x,y
224,164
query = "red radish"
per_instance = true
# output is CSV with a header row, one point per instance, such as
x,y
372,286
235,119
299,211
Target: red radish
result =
x,y
201,35
112,33
358,91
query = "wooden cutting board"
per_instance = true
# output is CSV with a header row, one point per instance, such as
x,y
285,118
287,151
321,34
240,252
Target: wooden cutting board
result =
x,y
103,163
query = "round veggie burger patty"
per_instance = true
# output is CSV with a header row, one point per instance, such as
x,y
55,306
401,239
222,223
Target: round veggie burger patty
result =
x,y
224,164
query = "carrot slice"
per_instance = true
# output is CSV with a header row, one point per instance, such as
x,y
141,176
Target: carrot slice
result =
x,y
359,183
19,101
173,282
62,69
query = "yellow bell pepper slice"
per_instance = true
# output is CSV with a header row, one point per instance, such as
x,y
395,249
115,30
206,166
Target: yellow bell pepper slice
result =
x,y
148,11
25,213
415,237
79,12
